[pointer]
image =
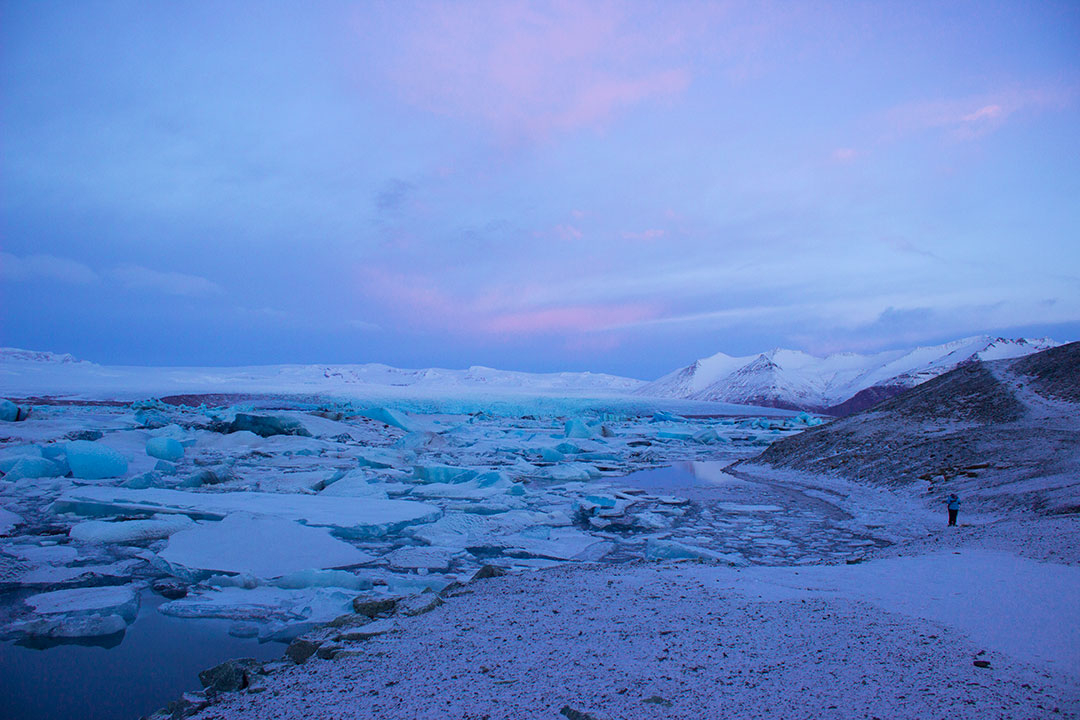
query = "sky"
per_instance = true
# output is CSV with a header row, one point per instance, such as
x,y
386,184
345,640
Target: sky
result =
x,y
617,187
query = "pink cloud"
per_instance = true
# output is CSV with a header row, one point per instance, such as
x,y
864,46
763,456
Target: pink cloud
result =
x,y
972,117
645,235
843,155
416,299
567,232
529,69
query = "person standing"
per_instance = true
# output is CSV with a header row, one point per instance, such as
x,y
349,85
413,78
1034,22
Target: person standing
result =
x,y
954,508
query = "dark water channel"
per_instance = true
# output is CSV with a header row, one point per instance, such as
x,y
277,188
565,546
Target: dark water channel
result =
x,y
156,661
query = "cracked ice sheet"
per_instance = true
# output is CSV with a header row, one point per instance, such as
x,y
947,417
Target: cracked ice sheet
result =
x,y
315,605
263,546
349,517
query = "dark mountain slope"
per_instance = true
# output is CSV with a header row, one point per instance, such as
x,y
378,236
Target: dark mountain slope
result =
x,y
1005,434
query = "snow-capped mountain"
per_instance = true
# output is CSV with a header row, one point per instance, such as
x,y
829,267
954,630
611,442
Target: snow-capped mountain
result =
x,y
839,384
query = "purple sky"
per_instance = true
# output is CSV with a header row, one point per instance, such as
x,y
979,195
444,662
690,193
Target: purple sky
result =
x,y
619,187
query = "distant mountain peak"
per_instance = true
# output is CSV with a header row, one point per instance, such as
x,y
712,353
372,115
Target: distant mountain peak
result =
x,y
840,382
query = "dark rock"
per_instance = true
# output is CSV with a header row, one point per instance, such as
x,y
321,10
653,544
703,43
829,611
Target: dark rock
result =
x,y
300,650
572,714
372,608
657,700
170,588
982,663
267,425
229,676
489,571
88,435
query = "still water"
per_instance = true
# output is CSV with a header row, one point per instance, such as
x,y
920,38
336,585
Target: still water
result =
x,y
157,660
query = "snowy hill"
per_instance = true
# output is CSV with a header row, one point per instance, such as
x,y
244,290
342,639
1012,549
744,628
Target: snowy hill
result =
x,y
840,384
1004,434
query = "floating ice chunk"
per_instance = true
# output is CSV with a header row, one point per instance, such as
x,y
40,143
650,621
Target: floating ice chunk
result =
x,y
569,448
393,418
73,626
360,517
143,481
413,558
164,448
671,550
377,458
8,521
175,432
10,412
164,467
399,584
577,429
91,460
322,578
309,605
119,600
50,575
421,440
601,500
126,532
551,455
264,546
443,473
267,425
480,487
562,543
35,467
808,419
707,436
571,472
11,455
684,435
357,484
662,416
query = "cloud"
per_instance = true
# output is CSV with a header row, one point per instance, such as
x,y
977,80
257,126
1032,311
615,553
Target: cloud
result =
x,y
137,277
45,267
393,194
844,154
529,69
971,117
645,235
418,300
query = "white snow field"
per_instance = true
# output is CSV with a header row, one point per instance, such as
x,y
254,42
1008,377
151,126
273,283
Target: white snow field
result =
x,y
630,572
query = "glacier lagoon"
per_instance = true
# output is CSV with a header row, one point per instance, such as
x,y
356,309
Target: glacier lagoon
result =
x,y
376,504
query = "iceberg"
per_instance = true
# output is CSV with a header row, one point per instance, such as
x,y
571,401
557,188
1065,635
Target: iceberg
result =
x,y
393,418
10,412
671,550
35,467
322,578
164,448
577,429
8,521
127,532
94,461
443,473
264,546
308,605
360,517
11,455
119,600
377,458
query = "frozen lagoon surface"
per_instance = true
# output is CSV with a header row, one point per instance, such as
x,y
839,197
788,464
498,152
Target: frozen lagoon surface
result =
x,y
369,503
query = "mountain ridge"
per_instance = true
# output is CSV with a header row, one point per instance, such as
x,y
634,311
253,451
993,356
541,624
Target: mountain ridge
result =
x,y
837,384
